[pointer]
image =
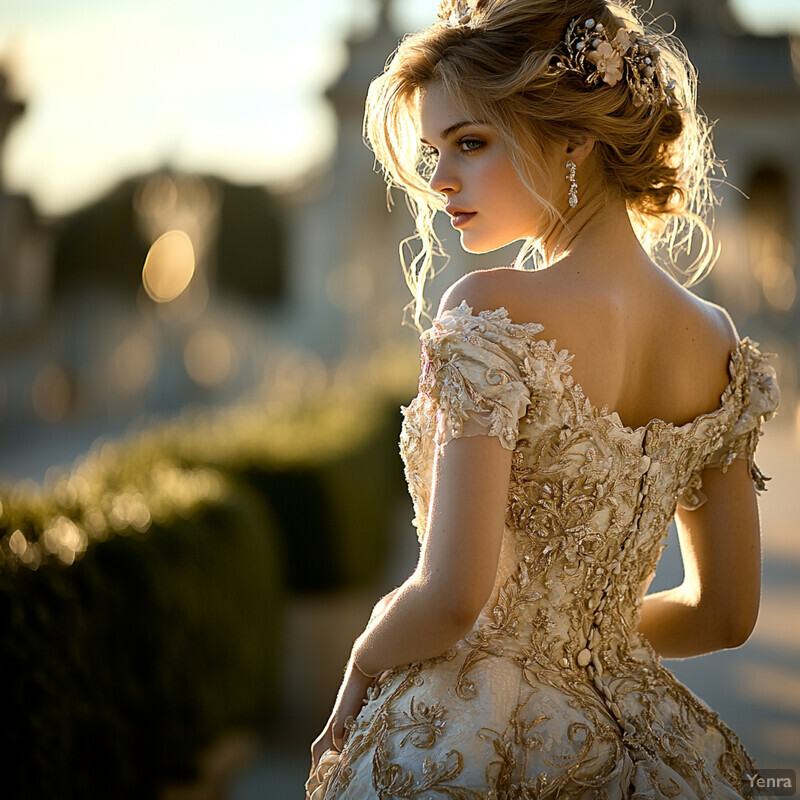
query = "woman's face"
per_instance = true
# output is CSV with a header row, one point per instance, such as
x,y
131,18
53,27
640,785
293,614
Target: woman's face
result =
x,y
487,200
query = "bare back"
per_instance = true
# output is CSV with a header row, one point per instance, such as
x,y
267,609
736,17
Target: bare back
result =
x,y
649,349
642,345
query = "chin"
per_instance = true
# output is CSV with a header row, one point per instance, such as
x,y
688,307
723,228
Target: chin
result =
x,y
477,246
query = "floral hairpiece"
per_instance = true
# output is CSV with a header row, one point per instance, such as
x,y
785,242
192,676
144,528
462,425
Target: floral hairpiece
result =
x,y
592,54
457,13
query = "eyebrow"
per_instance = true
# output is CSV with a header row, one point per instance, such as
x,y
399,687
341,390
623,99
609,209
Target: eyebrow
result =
x,y
448,132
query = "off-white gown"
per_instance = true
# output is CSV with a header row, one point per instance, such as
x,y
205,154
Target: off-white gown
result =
x,y
554,693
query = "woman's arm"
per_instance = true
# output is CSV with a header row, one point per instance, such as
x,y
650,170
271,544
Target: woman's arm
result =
x,y
382,604
441,600
716,606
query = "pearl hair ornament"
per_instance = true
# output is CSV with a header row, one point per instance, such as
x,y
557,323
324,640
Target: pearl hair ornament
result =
x,y
602,60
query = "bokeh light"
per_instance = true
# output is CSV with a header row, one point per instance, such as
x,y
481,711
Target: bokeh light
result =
x,y
778,283
134,363
169,266
64,539
209,357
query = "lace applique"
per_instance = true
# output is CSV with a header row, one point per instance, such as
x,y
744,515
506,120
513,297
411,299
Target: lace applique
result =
x,y
755,397
317,782
470,370
553,693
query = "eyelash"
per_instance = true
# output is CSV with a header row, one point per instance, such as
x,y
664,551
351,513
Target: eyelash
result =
x,y
431,153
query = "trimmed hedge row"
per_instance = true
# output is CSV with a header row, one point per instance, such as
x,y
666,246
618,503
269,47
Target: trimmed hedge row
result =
x,y
141,593
119,667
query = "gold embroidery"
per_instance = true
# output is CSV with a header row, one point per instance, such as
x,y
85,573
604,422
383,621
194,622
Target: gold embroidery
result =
x,y
554,693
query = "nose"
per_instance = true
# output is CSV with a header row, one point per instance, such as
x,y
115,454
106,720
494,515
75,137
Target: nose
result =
x,y
444,179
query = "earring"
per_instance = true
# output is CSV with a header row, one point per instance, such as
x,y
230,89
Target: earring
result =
x,y
573,184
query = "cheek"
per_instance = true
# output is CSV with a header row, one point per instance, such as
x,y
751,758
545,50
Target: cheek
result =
x,y
504,181
511,191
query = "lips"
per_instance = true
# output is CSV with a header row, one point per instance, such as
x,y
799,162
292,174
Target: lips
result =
x,y
459,217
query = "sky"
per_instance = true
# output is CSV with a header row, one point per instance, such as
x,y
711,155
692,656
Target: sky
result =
x,y
119,87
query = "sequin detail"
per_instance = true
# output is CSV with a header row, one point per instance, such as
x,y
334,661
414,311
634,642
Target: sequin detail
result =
x,y
554,693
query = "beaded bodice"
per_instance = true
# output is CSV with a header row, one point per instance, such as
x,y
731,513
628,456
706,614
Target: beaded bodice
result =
x,y
589,500
554,693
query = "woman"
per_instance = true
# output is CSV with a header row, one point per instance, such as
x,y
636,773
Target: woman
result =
x,y
522,659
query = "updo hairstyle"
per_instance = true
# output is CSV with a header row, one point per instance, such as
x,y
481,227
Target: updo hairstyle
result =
x,y
496,58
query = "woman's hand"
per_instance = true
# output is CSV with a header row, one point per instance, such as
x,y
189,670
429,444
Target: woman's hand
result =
x,y
349,702
350,697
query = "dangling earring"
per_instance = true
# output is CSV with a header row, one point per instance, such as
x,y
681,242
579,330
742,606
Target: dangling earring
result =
x,y
573,184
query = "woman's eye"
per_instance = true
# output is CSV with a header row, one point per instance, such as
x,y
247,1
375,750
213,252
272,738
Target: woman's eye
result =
x,y
470,145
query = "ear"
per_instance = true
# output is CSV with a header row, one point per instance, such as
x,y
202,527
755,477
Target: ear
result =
x,y
578,149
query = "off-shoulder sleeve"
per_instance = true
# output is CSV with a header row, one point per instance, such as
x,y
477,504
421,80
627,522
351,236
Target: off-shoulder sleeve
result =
x,y
755,397
471,373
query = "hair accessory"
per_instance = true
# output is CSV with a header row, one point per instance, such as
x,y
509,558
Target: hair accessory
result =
x,y
601,60
457,13
573,183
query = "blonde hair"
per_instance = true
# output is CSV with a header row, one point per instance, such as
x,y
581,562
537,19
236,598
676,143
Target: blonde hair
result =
x,y
658,156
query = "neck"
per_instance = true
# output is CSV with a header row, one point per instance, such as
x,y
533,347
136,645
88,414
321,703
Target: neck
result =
x,y
600,227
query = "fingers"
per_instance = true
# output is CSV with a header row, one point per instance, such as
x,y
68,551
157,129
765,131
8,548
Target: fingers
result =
x,y
337,733
315,755
348,704
322,743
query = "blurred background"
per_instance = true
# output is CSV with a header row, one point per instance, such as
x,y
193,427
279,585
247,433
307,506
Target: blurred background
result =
x,y
202,359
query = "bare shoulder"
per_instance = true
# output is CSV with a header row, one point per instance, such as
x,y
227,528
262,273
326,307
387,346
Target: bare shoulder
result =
x,y
690,342
482,290
724,325
713,329
641,344
575,308
570,308
529,296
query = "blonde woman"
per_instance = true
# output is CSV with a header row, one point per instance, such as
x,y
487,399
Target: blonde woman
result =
x,y
566,414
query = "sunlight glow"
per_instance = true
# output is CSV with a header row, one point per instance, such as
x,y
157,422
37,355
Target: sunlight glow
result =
x,y
235,88
169,266
65,539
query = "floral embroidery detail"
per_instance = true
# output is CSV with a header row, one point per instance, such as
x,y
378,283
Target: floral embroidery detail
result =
x,y
424,723
754,392
554,693
472,378
318,781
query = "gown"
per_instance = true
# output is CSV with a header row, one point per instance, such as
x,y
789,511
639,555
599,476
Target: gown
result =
x,y
553,693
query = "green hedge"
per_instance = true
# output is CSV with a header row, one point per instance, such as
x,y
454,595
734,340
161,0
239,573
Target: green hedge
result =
x,y
120,666
142,592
